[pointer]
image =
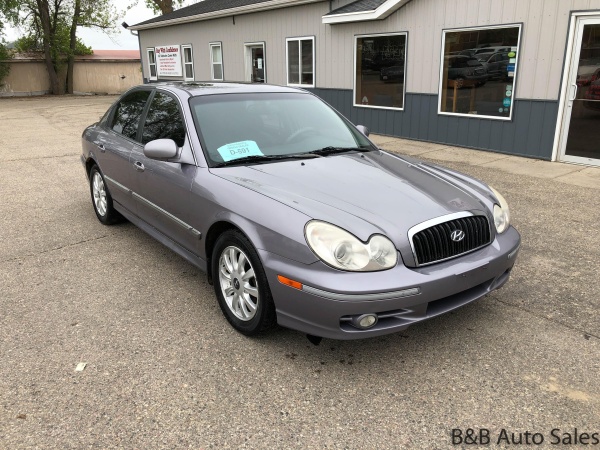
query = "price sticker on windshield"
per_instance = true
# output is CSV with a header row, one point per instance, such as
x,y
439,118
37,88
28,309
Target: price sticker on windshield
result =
x,y
237,150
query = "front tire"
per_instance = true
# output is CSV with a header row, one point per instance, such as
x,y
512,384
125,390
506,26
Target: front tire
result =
x,y
101,199
241,285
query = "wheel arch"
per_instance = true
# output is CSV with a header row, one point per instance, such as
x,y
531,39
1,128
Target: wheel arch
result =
x,y
89,163
212,235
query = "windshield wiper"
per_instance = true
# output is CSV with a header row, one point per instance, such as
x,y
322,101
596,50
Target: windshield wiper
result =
x,y
265,158
333,150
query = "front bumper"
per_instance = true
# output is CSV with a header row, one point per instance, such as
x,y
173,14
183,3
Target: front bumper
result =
x,y
400,296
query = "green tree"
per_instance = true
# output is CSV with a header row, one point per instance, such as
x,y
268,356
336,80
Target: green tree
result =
x,y
163,6
5,53
100,14
60,52
5,56
48,22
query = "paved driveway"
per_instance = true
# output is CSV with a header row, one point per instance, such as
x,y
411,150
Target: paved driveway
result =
x,y
165,370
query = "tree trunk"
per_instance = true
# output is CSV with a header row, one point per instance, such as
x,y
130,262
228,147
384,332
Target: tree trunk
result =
x,y
72,45
166,6
45,20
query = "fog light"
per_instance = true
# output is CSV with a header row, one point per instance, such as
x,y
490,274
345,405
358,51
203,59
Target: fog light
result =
x,y
367,321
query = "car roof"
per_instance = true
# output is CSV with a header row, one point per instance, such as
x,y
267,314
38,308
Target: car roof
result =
x,y
199,88
459,57
487,54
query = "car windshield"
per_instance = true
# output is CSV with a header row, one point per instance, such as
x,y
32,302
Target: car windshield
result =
x,y
257,127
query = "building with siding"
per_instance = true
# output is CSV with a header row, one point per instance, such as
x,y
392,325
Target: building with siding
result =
x,y
512,76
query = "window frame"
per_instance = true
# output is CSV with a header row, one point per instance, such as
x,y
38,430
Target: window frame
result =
x,y
191,63
360,36
212,63
518,25
287,61
150,77
246,67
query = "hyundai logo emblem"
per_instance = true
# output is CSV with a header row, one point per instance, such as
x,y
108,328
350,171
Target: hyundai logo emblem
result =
x,y
457,235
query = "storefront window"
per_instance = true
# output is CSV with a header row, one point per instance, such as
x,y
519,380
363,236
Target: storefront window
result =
x,y
380,67
478,71
300,61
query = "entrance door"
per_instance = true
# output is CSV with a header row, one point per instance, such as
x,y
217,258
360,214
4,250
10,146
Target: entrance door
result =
x,y
580,135
255,63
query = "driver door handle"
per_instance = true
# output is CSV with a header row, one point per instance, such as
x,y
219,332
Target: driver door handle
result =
x,y
139,166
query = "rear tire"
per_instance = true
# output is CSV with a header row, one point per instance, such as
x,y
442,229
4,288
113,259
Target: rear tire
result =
x,y
101,199
241,285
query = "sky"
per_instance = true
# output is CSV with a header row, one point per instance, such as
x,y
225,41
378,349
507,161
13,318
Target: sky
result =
x,y
121,40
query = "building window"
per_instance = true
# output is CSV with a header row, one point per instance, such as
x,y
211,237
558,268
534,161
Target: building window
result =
x,y
301,61
188,63
380,62
216,61
151,64
478,71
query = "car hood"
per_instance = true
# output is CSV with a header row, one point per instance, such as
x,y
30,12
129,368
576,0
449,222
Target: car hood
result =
x,y
365,193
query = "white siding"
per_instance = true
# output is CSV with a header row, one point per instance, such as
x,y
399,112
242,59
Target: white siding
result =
x,y
543,40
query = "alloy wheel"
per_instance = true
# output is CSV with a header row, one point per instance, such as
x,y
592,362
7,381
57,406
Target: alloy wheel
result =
x,y
99,193
238,283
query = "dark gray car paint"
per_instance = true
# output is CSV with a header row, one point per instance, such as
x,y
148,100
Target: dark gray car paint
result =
x,y
370,193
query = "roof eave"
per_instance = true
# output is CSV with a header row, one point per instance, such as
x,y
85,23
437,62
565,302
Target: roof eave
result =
x,y
265,6
383,11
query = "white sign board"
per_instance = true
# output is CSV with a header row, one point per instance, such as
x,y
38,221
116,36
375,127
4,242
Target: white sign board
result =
x,y
168,61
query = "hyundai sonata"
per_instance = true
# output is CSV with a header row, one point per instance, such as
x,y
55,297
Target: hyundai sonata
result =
x,y
294,214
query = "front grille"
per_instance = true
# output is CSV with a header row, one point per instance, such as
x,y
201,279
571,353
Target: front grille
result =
x,y
435,243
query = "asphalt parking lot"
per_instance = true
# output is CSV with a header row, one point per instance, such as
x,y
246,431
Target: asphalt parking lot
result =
x,y
165,370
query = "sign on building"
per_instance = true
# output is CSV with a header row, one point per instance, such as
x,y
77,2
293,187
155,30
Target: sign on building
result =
x,y
168,61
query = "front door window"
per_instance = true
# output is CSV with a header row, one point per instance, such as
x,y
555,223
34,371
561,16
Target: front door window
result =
x,y
255,57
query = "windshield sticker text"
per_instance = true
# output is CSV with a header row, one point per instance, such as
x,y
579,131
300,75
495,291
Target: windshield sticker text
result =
x,y
237,150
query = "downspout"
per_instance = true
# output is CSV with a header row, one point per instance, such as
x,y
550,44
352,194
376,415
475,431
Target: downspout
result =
x,y
126,26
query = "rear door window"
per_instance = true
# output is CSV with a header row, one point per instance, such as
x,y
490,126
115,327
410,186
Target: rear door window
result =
x,y
163,120
128,112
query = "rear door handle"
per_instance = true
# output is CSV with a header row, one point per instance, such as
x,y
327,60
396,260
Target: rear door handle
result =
x,y
102,147
139,166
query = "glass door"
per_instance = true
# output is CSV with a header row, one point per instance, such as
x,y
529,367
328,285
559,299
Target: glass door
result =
x,y
255,63
581,124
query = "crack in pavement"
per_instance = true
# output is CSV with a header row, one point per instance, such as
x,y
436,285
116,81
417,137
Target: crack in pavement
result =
x,y
550,319
39,157
16,258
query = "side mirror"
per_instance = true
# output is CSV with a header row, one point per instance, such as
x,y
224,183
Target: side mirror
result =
x,y
161,149
364,130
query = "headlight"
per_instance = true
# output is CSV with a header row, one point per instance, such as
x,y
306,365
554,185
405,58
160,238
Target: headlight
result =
x,y
501,213
342,250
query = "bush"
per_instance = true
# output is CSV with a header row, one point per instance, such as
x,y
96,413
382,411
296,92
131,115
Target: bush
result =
x,y
5,57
